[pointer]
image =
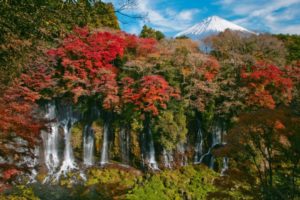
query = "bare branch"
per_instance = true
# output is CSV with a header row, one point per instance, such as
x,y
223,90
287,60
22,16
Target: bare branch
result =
x,y
127,9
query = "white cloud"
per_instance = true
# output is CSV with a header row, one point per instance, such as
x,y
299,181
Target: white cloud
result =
x,y
287,29
292,29
165,19
270,15
187,14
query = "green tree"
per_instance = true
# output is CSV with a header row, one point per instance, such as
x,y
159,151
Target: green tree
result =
x,y
292,44
148,32
170,127
182,37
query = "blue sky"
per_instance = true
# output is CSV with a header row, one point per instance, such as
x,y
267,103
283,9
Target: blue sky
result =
x,y
173,16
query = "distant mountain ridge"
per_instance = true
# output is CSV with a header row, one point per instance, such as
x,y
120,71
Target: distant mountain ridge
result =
x,y
211,26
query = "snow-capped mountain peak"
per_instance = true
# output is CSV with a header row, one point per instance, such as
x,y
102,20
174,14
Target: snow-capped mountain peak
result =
x,y
211,26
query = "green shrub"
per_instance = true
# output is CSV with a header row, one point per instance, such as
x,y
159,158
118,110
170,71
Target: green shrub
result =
x,y
191,182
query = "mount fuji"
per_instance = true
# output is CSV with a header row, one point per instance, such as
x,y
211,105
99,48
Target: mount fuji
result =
x,y
211,26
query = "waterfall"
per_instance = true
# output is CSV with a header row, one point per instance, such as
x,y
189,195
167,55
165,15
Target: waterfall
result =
x,y
88,145
148,150
147,145
151,159
225,165
199,146
124,144
217,135
225,159
61,117
168,159
104,152
205,155
212,162
67,120
50,139
68,162
89,136
181,150
216,139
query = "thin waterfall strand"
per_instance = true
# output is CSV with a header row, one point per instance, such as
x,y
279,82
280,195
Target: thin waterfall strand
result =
x,y
50,140
152,160
88,145
104,152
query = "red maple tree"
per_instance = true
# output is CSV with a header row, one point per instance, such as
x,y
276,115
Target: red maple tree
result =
x,y
267,85
17,108
85,62
149,94
85,67
139,46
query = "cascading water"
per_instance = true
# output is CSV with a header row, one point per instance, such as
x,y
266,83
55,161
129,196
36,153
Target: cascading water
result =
x,y
225,159
88,145
216,140
212,162
68,119
50,139
216,136
225,165
61,118
199,146
89,136
168,159
124,144
181,150
104,152
147,145
151,153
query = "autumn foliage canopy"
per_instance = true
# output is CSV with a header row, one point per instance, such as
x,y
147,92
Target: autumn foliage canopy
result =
x,y
148,94
85,63
83,66
268,84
